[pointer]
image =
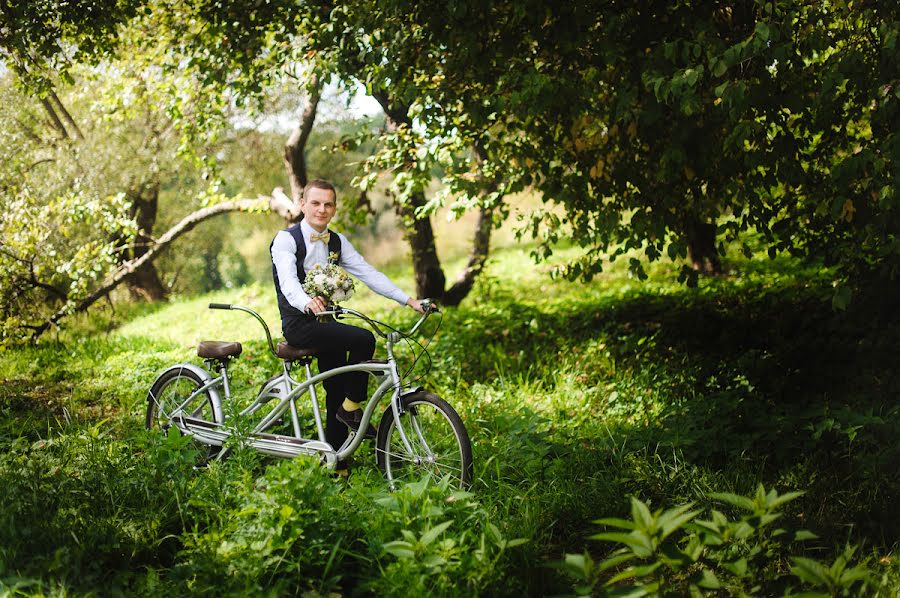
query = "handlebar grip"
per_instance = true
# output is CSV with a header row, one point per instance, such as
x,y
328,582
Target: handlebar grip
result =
x,y
220,306
430,305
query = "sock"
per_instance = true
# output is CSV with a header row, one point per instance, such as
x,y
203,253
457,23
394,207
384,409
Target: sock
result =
x,y
350,405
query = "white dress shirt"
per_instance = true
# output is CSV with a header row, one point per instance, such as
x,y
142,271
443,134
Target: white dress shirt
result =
x,y
284,256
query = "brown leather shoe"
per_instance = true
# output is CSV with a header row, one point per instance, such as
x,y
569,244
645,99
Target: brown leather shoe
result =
x,y
352,419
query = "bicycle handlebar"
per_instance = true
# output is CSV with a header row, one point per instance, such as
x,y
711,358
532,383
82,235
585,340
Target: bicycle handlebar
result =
x,y
252,313
337,311
334,310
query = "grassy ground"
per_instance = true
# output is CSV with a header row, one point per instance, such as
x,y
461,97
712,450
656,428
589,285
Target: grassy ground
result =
x,y
577,397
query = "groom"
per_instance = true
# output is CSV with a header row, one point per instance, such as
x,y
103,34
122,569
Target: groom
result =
x,y
294,252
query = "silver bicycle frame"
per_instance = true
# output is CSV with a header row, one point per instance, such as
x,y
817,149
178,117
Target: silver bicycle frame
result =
x,y
290,390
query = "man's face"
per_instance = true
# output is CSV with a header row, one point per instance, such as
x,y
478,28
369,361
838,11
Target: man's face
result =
x,y
318,207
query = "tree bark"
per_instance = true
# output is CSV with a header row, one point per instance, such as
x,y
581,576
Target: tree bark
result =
x,y
68,117
55,122
145,283
295,148
481,242
477,258
702,251
429,275
129,268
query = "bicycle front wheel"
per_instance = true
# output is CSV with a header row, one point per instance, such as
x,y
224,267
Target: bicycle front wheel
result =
x,y
171,392
439,441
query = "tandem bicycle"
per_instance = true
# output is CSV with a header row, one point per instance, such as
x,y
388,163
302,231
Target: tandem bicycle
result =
x,y
419,433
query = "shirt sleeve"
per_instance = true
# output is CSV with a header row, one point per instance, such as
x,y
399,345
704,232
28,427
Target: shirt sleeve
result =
x,y
355,264
284,256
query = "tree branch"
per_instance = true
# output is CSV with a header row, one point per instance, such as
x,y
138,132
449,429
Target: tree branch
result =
x,y
284,206
68,117
29,132
125,270
60,294
54,119
295,148
480,243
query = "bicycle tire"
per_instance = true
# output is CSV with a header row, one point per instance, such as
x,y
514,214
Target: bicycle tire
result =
x,y
171,389
439,439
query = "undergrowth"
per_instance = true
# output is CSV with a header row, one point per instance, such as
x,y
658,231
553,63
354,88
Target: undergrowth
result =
x,y
631,402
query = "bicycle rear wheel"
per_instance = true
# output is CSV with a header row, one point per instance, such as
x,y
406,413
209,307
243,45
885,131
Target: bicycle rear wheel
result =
x,y
439,440
170,391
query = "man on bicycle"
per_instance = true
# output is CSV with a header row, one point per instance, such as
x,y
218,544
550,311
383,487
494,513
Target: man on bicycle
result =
x,y
294,252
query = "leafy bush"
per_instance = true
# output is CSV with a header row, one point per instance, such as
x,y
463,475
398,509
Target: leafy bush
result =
x,y
86,509
429,542
673,552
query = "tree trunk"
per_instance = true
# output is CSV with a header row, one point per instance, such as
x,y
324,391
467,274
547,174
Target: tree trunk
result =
x,y
55,122
68,117
295,148
702,251
429,275
477,258
145,283
481,242
430,278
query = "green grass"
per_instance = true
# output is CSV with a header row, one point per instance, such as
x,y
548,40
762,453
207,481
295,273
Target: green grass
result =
x,y
577,396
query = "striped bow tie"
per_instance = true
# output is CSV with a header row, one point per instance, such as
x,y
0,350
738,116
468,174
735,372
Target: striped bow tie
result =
x,y
324,237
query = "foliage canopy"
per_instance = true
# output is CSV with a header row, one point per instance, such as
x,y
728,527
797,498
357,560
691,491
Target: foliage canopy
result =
x,y
644,121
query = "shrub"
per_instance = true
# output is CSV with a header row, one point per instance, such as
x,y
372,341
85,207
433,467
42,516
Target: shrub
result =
x,y
674,552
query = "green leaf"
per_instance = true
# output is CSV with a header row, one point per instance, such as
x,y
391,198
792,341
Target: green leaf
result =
x,y
810,571
709,581
639,543
616,522
737,568
841,298
719,69
429,536
615,561
786,497
741,502
645,570
495,532
632,591
803,535
579,564
675,518
639,511
400,549
433,560
857,573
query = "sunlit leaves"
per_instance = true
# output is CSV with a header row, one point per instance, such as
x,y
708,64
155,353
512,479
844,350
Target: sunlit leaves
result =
x,y
642,121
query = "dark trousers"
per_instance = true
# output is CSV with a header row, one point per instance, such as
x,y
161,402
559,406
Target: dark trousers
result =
x,y
338,344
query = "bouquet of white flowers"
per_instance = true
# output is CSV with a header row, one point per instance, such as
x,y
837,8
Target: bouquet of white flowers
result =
x,y
330,282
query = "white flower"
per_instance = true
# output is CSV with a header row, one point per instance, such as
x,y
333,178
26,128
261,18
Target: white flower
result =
x,y
330,282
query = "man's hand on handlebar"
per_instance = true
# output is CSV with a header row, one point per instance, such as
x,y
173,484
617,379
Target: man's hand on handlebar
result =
x,y
317,305
420,305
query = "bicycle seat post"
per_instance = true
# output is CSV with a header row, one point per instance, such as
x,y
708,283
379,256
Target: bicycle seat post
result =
x,y
315,401
221,365
289,355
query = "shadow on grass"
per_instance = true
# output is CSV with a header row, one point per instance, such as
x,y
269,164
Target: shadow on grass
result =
x,y
28,410
765,379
